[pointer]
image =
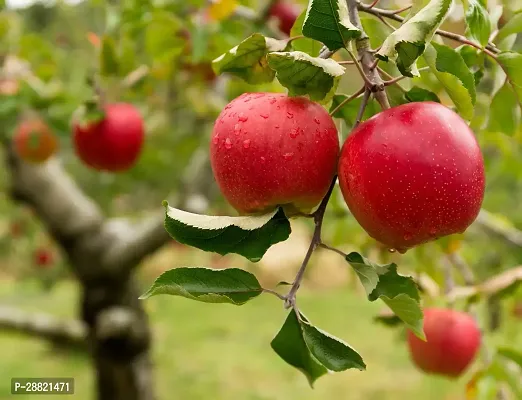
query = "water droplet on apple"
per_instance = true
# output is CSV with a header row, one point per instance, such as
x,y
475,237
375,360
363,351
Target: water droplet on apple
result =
x,y
277,126
228,106
433,231
272,100
317,121
263,159
247,99
288,156
407,236
259,95
392,250
228,144
294,133
289,115
215,140
265,116
237,129
246,143
242,118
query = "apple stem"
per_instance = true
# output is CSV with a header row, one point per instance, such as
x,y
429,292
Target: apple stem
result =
x,y
347,100
290,298
364,103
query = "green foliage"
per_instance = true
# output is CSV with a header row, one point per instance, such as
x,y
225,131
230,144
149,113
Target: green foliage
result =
x,y
328,22
302,74
306,45
249,236
454,75
311,350
400,293
419,94
248,59
505,112
407,43
478,21
231,285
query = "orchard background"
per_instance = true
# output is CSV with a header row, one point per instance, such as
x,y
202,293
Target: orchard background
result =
x,y
79,246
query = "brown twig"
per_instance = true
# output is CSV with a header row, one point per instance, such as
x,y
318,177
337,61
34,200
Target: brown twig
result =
x,y
347,100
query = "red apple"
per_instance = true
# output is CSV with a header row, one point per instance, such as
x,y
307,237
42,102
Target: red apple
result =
x,y
453,340
268,149
43,258
113,143
286,13
34,142
412,174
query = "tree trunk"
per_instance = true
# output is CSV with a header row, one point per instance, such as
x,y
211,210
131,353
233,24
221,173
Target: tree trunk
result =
x,y
119,339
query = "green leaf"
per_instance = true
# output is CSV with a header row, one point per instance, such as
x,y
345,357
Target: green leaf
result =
x,y
417,94
400,293
306,45
333,353
512,355
328,22
302,74
504,114
478,22
512,63
513,26
232,285
248,59
249,236
289,344
162,41
108,57
408,42
452,72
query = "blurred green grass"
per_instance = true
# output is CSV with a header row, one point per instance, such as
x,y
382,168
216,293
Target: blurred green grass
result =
x,y
213,351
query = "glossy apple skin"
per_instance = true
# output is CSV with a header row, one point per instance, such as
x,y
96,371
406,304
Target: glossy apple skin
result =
x,y
286,13
114,143
412,174
453,340
45,142
268,149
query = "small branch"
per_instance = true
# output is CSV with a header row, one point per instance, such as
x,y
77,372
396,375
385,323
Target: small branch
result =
x,y
69,333
316,240
325,246
348,99
135,76
346,62
326,52
280,296
464,269
394,80
400,10
488,223
367,81
392,14
373,4
364,103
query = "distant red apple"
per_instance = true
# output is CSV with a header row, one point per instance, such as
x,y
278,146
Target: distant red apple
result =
x,y
286,13
113,143
412,174
453,340
34,141
268,149
43,258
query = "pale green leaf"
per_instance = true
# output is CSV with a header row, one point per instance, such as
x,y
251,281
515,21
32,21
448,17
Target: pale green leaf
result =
x,y
302,74
408,42
504,113
327,21
513,26
478,22
248,59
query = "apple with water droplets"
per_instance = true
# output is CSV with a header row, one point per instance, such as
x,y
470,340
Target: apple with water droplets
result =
x,y
269,149
452,342
412,174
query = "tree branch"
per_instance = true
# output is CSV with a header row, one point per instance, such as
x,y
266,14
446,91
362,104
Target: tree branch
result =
x,y
366,57
488,223
69,333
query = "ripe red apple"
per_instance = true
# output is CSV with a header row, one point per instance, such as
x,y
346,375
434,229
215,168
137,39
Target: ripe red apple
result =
x,y
412,174
286,13
268,149
453,340
34,142
43,258
113,143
